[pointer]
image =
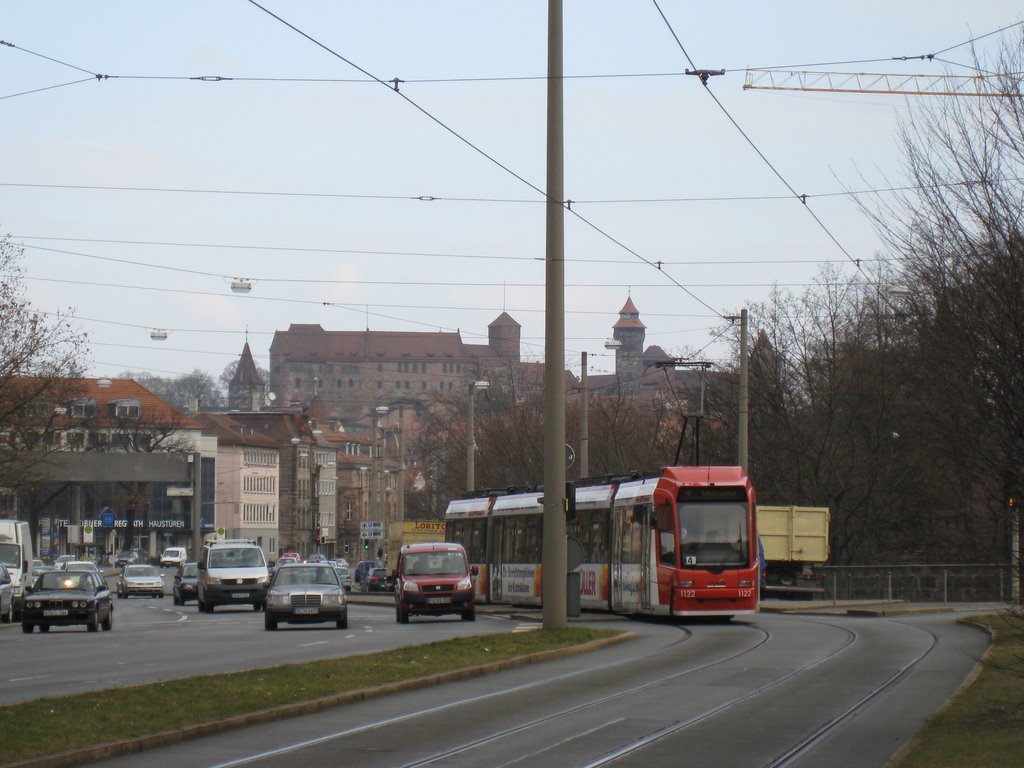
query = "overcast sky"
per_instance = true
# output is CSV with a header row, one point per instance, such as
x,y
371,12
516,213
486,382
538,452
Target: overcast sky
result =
x,y
141,196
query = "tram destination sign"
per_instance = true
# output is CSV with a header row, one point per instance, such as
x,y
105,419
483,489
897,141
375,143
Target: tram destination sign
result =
x,y
716,493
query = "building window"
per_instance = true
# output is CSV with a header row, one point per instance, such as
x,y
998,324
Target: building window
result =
x,y
127,409
83,407
298,383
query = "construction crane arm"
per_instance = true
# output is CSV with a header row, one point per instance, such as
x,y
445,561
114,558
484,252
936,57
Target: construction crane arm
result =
x,y
875,82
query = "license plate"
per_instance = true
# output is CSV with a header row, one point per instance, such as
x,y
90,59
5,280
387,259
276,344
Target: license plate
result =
x,y
241,595
438,600
56,612
305,610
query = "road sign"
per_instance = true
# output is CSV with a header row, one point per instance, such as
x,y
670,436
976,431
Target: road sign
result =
x,y
107,518
367,527
87,534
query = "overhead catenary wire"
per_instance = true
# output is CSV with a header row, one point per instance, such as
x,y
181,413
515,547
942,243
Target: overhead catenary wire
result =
x,y
484,154
509,200
796,195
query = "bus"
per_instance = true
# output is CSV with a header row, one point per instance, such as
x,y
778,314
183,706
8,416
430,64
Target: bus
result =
x,y
681,542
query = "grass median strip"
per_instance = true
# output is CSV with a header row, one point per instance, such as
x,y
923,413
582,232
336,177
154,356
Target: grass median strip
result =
x,y
983,727
61,724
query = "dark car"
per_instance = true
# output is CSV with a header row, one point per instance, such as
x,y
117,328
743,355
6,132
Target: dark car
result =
x,y
362,572
185,581
64,598
377,580
305,593
126,558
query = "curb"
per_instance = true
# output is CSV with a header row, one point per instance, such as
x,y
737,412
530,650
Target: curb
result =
x,y
165,738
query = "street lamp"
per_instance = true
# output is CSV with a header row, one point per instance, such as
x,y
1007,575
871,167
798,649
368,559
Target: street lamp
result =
x,y
377,455
471,437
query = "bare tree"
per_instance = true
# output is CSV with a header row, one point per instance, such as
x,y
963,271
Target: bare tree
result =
x,y
828,404
39,355
957,232
190,390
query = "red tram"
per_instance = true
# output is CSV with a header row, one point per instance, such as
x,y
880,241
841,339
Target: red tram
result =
x,y
679,543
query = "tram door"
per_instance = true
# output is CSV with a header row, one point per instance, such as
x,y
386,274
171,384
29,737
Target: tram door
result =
x,y
628,570
617,593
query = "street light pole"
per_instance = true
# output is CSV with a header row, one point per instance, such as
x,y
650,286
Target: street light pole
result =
x,y
584,418
471,435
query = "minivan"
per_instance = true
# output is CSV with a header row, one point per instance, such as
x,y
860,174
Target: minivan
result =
x,y
232,572
432,579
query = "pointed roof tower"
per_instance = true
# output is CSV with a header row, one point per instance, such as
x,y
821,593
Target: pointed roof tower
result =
x,y
245,390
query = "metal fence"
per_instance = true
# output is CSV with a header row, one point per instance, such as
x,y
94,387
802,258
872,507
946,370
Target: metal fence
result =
x,y
977,583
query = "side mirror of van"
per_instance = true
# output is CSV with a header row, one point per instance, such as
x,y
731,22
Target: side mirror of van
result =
x,y
201,565
475,570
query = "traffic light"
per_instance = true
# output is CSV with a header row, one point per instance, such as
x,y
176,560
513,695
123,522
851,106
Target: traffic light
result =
x,y
366,544
319,534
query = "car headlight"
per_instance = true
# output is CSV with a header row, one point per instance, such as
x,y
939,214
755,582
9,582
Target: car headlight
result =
x,y
262,579
330,600
466,583
212,580
410,586
277,599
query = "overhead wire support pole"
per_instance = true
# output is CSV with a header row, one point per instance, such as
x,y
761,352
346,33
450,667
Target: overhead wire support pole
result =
x,y
554,561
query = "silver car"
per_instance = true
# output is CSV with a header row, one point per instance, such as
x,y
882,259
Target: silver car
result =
x,y
305,593
142,580
6,595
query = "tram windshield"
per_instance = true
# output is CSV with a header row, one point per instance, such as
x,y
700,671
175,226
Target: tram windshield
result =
x,y
713,534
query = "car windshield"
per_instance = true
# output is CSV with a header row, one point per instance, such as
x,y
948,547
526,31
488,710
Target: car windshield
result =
x,y
57,580
236,558
192,569
435,563
141,570
291,576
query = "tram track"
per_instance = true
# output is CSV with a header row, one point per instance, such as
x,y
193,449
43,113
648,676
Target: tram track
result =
x,y
616,698
803,746
685,634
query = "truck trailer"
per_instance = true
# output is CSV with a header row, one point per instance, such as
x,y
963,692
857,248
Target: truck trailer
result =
x,y
795,540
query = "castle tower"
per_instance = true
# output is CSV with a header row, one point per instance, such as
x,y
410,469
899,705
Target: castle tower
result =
x,y
245,391
629,357
503,337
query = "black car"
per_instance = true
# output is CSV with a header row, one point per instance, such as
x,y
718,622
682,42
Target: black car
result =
x,y
63,598
185,583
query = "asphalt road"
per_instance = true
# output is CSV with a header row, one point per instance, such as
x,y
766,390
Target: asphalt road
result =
x,y
153,640
821,691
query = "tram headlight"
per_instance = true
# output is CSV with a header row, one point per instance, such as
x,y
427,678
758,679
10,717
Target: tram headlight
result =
x,y
746,583
685,584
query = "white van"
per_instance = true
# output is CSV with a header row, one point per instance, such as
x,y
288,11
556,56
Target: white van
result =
x,y
172,557
16,554
232,572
